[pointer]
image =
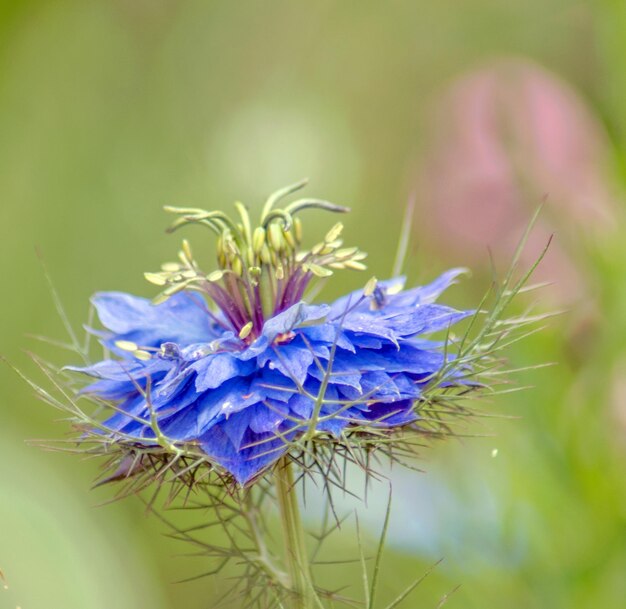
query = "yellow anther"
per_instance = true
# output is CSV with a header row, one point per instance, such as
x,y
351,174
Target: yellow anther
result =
x,y
356,266
156,278
297,229
275,236
187,250
370,286
215,276
317,249
327,249
245,331
288,236
334,232
126,345
266,257
346,252
317,270
230,247
170,291
258,239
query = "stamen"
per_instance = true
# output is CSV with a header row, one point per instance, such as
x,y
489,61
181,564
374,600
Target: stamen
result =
x,y
262,270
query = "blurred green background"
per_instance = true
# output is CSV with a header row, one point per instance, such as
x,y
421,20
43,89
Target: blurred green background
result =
x,y
478,108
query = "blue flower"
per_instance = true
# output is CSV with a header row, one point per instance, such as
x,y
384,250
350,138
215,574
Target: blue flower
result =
x,y
244,403
239,366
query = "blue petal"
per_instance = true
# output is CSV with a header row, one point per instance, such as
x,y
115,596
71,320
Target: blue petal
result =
x,y
258,452
171,398
121,370
266,417
366,342
390,359
368,323
236,426
292,360
285,322
425,319
182,426
328,334
182,319
428,293
131,407
120,378
379,385
301,406
356,302
391,414
221,403
271,384
214,369
341,373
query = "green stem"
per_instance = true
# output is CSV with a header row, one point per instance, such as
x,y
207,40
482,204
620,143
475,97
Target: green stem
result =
x,y
296,558
264,558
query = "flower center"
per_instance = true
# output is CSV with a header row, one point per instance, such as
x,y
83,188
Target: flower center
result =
x,y
261,271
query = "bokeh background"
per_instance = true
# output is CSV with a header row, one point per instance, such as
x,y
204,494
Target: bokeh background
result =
x,y
479,109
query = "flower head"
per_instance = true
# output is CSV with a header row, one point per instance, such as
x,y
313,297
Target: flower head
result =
x,y
237,368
